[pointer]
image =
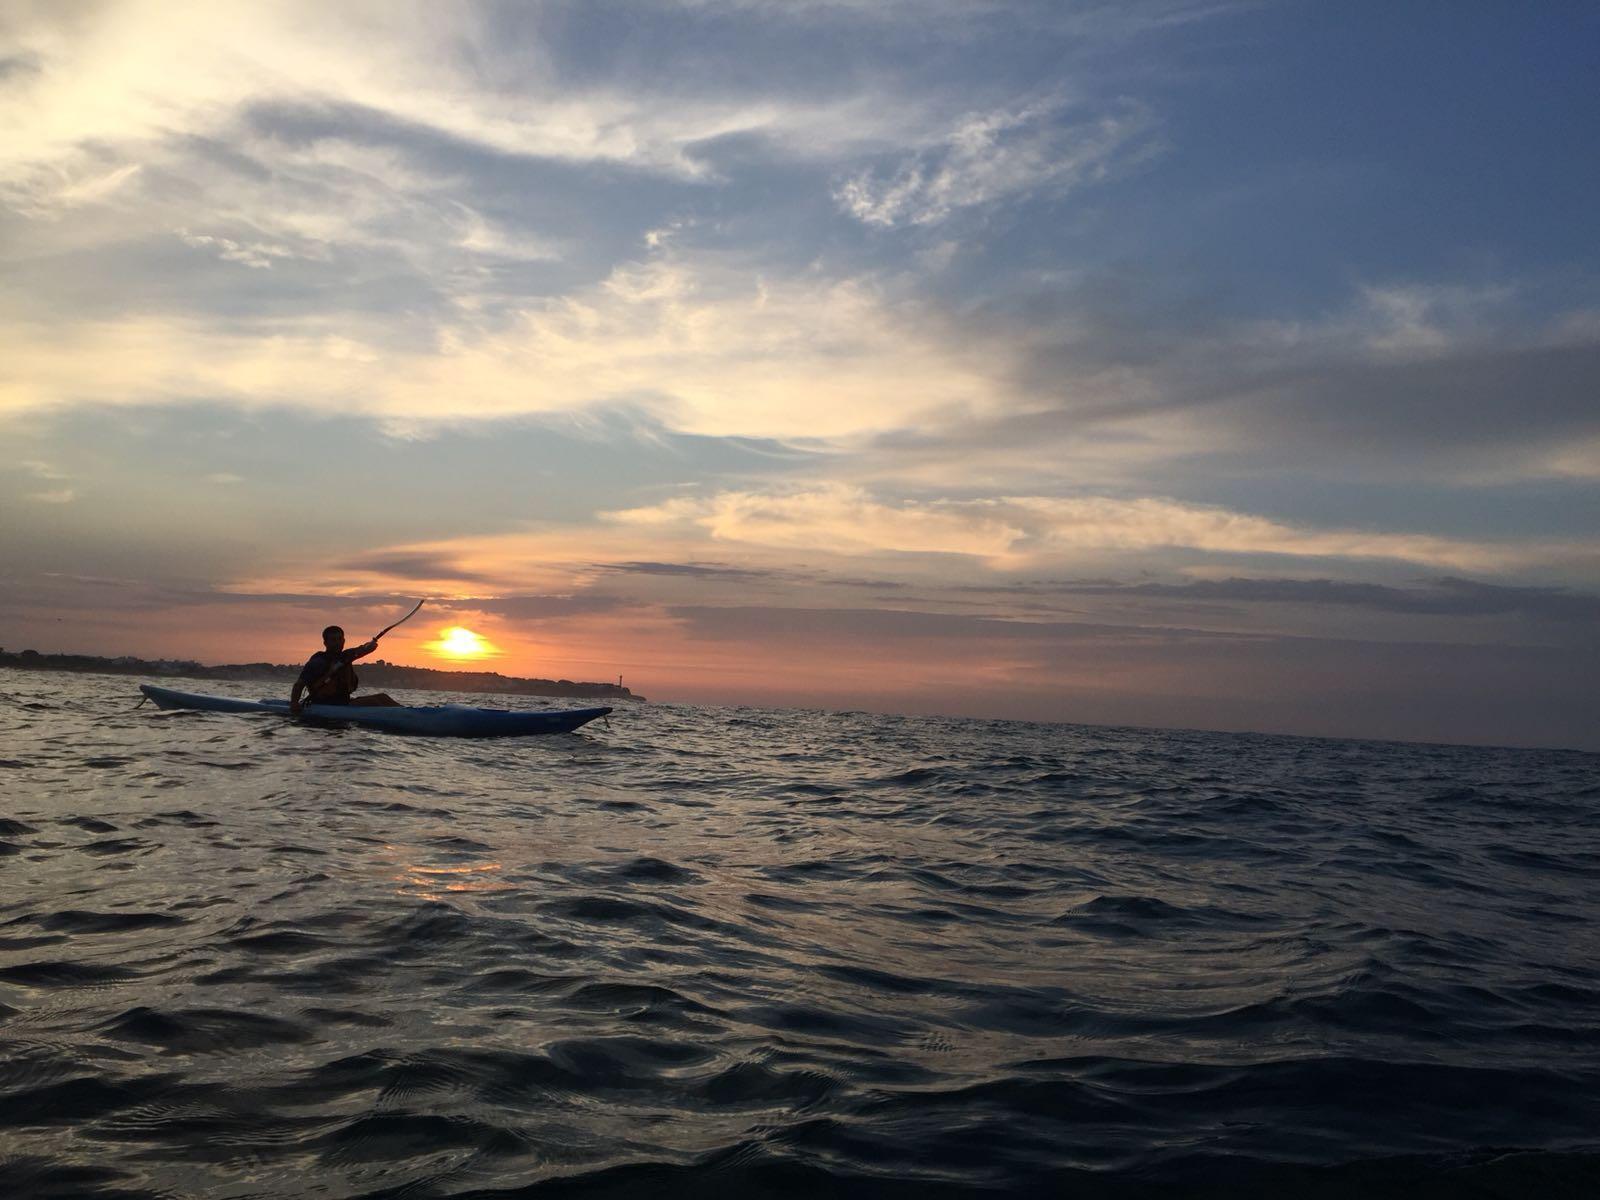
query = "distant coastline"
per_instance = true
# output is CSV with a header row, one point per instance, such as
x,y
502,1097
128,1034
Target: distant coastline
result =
x,y
374,674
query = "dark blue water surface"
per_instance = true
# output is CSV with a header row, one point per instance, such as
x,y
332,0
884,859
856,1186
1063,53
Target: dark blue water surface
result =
x,y
740,952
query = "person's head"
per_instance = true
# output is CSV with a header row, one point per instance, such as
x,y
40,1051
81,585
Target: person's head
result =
x,y
333,637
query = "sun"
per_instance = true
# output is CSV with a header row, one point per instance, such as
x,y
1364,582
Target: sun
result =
x,y
459,643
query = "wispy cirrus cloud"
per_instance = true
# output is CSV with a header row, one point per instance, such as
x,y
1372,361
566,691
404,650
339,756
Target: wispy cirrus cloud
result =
x,y
111,76
995,156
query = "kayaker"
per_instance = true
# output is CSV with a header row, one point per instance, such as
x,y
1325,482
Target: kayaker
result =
x,y
328,677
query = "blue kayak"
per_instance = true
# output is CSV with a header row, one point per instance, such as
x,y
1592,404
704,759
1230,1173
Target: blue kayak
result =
x,y
442,720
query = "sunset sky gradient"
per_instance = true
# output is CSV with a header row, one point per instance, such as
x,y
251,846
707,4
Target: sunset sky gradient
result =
x,y
1228,365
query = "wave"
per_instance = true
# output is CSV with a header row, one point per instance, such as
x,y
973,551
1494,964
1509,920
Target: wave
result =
x,y
767,953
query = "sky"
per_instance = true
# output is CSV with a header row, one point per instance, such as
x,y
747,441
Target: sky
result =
x,y
1195,363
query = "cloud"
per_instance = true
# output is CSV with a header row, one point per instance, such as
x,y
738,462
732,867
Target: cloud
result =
x,y
254,254
964,20
749,621
1410,320
360,209
113,76
995,156
1473,385
704,348
1145,523
64,591
835,518
1012,530
413,565
38,469
1446,597
689,570
540,607
1504,411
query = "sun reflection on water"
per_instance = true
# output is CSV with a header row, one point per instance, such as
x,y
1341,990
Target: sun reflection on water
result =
x,y
434,883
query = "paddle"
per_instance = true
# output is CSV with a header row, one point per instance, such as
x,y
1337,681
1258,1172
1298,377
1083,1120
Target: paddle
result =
x,y
401,621
334,670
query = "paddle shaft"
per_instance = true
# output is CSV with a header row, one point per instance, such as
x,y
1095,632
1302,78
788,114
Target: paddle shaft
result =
x,y
401,621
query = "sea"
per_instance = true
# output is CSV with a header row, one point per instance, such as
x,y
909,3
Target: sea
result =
x,y
744,952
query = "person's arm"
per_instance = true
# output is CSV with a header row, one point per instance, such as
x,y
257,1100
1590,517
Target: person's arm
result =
x,y
308,675
360,651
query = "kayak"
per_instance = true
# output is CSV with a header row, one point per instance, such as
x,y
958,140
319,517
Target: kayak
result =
x,y
442,720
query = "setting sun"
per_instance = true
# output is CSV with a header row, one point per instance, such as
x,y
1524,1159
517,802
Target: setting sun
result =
x,y
459,643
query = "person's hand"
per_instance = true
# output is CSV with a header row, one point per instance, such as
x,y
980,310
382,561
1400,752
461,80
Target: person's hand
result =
x,y
369,647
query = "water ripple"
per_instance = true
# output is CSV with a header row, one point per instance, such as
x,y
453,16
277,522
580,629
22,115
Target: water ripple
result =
x,y
786,953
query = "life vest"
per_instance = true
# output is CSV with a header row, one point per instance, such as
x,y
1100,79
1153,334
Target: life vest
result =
x,y
338,686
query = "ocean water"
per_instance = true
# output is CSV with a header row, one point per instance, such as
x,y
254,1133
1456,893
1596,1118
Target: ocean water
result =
x,y
746,952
